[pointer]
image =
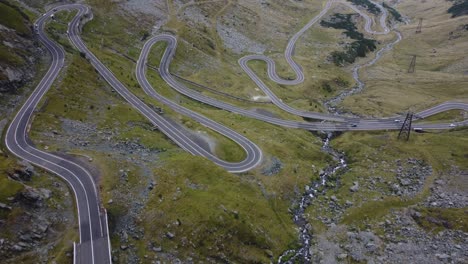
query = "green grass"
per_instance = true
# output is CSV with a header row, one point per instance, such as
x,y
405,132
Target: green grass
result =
x,y
438,219
372,154
373,211
57,27
447,116
222,211
459,8
11,188
396,15
9,57
372,8
13,19
8,188
358,48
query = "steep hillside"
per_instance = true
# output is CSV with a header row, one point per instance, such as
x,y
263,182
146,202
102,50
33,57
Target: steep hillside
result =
x,y
19,50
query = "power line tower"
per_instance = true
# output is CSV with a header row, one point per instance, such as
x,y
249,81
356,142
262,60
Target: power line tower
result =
x,y
418,29
405,129
412,64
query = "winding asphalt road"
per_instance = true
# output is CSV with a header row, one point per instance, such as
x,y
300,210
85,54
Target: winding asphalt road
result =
x,y
170,129
289,52
94,245
341,123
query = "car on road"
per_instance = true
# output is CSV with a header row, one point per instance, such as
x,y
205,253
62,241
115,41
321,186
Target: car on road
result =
x,y
452,125
397,120
353,125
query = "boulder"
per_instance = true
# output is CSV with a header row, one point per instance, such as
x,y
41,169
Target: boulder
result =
x,y
355,187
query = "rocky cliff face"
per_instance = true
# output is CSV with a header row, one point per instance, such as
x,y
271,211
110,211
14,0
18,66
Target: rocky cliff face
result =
x,y
19,50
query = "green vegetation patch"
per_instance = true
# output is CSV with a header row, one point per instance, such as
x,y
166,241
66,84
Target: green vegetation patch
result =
x,y
371,7
8,187
459,8
447,116
374,210
358,48
221,215
11,17
393,12
9,57
438,219
371,155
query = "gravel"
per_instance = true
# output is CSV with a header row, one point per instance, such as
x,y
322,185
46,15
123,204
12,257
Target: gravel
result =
x,y
238,42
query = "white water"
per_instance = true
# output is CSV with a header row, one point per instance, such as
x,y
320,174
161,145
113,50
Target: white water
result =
x,y
310,193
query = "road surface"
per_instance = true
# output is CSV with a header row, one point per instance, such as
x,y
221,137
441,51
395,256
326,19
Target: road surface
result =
x,y
94,245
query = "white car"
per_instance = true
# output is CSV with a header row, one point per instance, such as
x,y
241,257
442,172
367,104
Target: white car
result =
x,y
452,125
397,120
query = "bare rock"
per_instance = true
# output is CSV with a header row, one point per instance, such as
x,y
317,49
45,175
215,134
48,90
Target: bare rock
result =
x,y
5,207
355,187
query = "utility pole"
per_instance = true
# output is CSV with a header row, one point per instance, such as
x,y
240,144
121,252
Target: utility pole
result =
x,y
412,64
405,129
418,29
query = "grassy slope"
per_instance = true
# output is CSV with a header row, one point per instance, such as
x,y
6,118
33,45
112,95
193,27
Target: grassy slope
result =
x,y
438,219
390,89
8,187
434,81
373,154
13,19
218,212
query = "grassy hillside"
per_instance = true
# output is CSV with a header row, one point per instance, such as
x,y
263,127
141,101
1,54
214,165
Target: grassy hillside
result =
x,y
213,215
439,75
12,17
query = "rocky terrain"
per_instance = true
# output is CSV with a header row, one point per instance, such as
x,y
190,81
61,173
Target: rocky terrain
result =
x,y
402,235
35,220
36,210
20,53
